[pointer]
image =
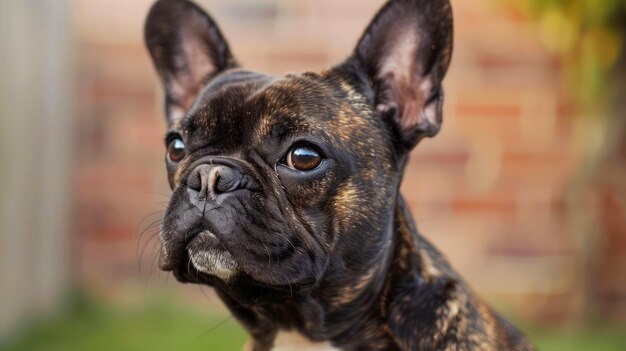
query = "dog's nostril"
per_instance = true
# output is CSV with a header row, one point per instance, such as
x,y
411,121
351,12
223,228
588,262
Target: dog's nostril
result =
x,y
224,179
214,179
194,181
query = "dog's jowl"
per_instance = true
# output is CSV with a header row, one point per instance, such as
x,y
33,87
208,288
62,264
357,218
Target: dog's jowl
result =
x,y
285,189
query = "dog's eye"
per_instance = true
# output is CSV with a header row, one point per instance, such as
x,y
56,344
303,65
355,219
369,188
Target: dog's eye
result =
x,y
176,150
303,158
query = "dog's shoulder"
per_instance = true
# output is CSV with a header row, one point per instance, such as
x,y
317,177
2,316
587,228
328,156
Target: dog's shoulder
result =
x,y
433,309
431,306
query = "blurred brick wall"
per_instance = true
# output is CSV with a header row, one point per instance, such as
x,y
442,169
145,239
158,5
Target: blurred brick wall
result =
x,y
487,191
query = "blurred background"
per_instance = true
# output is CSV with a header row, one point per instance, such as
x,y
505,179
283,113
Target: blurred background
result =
x,y
524,190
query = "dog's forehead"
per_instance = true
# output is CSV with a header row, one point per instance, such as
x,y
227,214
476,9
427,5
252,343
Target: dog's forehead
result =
x,y
242,103
223,99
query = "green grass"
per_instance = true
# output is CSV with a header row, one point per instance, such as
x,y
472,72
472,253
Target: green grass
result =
x,y
160,325
163,325
610,338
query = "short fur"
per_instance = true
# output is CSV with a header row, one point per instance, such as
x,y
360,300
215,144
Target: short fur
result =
x,y
331,253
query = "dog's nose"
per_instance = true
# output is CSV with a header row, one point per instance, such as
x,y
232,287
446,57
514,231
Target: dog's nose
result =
x,y
214,180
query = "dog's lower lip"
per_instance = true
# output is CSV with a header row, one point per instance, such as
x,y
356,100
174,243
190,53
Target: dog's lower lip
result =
x,y
203,238
207,255
171,257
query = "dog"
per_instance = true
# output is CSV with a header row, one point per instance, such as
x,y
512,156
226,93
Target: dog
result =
x,y
286,189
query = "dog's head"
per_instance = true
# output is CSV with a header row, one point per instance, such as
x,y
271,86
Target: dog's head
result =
x,y
281,181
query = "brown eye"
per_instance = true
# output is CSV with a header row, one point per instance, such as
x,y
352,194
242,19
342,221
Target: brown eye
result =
x,y
303,158
176,150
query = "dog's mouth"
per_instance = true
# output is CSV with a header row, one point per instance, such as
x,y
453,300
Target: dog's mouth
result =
x,y
209,256
203,253
203,258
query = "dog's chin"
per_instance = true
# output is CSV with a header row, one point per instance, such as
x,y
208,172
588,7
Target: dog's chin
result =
x,y
208,256
205,260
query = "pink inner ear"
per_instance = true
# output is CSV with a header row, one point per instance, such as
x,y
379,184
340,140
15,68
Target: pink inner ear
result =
x,y
197,58
182,97
400,60
408,90
194,67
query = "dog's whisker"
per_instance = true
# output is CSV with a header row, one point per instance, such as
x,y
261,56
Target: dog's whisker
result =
x,y
189,267
149,216
153,231
153,266
213,328
206,295
147,244
148,229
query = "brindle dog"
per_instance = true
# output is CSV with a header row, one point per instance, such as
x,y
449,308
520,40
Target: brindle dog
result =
x,y
285,189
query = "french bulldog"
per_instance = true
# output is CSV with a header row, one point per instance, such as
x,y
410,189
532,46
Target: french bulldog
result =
x,y
286,189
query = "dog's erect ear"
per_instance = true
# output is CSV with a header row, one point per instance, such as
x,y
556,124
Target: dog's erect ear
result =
x,y
404,55
187,48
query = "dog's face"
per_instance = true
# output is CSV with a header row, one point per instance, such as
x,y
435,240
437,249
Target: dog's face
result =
x,y
281,181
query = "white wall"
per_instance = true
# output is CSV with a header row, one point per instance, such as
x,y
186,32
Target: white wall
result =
x,y
35,138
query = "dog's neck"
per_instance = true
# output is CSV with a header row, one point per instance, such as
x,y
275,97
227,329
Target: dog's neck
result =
x,y
345,311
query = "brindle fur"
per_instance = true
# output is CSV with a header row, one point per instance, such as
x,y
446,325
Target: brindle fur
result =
x,y
334,256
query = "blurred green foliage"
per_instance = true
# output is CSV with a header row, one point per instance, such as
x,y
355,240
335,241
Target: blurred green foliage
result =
x,y
587,36
161,324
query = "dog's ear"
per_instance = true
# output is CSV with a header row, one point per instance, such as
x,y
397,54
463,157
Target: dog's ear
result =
x,y
403,57
187,48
